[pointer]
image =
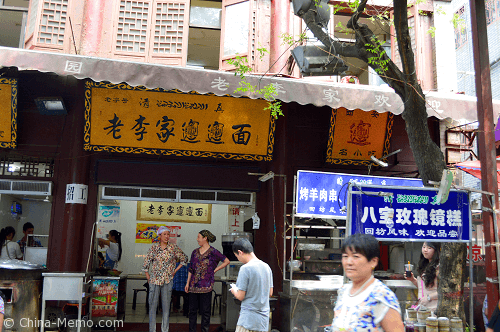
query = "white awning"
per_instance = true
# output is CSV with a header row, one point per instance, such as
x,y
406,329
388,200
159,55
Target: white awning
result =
x,y
302,91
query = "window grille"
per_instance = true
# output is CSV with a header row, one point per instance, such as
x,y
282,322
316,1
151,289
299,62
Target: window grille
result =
x,y
53,22
169,27
27,166
132,26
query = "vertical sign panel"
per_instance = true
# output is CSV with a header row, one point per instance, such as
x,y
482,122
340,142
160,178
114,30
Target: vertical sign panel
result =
x,y
8,112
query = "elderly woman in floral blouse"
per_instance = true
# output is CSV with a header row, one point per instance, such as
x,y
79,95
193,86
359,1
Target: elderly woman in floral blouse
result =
x,y
204,263
159,266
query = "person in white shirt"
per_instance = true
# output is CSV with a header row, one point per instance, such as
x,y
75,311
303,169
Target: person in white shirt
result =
x,y
365,304
8,248
114,251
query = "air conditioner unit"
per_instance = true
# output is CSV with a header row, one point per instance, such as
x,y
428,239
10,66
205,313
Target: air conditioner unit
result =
x,y
33,188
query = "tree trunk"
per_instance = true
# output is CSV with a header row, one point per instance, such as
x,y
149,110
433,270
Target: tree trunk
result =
x,y
428,156
452,276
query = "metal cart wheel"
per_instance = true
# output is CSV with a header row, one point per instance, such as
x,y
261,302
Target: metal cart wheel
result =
x,y
54,316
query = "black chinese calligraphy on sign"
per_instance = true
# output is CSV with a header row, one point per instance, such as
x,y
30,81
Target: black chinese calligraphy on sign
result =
x,y
174,212
116,123
241,136
166,129
140,128
215,131
190,131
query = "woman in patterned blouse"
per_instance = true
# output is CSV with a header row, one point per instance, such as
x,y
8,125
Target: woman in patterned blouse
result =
x,y
159,267
200,282
2,310
365,304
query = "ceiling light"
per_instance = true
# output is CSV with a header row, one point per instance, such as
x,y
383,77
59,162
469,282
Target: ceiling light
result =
x,y
266,177
380,162
51,106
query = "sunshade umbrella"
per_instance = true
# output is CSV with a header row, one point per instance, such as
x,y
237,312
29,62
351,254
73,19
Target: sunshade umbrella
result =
x,y
474,168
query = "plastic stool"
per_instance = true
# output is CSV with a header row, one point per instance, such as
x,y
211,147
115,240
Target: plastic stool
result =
x,y
134,300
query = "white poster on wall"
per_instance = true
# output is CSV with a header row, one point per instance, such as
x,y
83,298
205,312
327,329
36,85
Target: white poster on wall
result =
x,y
108,218
236,218
76,193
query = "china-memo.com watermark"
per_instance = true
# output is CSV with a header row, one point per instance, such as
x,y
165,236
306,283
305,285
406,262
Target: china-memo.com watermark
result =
x,y
61,322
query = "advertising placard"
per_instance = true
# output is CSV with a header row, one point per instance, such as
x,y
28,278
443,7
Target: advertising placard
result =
x,y
146,233
324,195
409,214
104,297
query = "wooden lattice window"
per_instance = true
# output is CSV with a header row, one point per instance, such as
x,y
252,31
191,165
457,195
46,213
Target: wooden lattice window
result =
x,y
168,34
132,26
53,22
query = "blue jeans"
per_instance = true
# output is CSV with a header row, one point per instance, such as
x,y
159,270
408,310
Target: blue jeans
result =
x,y
166,295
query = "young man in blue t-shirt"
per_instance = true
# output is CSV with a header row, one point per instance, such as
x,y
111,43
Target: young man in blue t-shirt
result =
x,y
253,288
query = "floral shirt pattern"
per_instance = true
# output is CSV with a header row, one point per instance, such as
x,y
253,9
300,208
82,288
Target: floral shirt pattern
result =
x,y
202,268
160,263
367,314
2,309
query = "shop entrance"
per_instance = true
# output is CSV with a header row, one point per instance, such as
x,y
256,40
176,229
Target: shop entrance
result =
x,y
136,212
26,207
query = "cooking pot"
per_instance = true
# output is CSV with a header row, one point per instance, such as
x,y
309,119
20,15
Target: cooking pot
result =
x,y
294,265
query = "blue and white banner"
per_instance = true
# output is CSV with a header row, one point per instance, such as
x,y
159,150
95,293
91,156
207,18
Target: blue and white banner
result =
x,y
409,214
324,195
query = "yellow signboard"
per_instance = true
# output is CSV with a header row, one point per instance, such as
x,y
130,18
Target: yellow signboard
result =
x,y
356,135
8,112
121,118
174,212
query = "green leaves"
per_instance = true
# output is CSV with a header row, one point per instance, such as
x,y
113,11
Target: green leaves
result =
x,y
378,58
289,40
241,64
268,92
432,31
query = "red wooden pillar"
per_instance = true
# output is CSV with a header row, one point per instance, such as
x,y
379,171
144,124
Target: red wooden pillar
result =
x,y
92,27
280,23
486,141
68,242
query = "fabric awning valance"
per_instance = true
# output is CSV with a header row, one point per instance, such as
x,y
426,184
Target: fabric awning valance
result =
x,y
302,91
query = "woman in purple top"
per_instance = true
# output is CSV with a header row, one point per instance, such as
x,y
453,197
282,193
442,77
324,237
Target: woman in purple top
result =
x,y
204,263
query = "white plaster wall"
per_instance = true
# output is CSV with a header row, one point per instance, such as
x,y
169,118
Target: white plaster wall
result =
x,y
36,212
445,46
6,218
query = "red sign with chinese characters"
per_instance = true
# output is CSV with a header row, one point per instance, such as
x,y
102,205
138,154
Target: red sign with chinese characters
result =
x,y
356,135
476,254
